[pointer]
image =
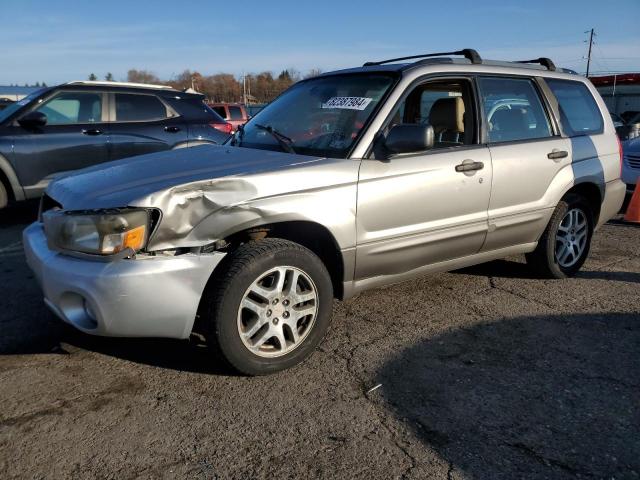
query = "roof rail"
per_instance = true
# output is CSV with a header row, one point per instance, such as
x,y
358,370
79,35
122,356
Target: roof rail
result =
x,y
468,53
544,61
119,84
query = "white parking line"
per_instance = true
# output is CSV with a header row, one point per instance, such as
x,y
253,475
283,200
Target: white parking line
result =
x,y
11,250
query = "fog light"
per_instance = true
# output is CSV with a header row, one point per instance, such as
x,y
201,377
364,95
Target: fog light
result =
x,y
88,310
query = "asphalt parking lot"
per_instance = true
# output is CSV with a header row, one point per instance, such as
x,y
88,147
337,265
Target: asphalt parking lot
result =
x,y
483,373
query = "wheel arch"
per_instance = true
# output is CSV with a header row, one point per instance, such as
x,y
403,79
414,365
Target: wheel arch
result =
x,y
10,180
312,235
592,193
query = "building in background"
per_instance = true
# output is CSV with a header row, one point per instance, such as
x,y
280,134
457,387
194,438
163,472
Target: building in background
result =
x,y
621,92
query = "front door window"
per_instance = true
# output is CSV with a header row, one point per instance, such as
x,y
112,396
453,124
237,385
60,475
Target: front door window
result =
x,y
69,108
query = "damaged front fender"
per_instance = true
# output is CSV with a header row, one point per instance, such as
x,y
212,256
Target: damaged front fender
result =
x,y
201,213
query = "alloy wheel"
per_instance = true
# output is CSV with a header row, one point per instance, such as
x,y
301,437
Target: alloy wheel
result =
x,y
571,237
277,311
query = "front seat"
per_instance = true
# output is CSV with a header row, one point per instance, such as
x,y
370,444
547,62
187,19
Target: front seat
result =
x,y
447,119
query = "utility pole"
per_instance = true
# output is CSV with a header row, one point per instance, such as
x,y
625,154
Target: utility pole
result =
x,y
589,54
244,88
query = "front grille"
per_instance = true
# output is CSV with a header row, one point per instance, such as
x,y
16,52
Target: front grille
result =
x,y
633,160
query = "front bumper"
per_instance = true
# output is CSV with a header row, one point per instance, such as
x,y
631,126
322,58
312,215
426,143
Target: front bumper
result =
x,y
143,297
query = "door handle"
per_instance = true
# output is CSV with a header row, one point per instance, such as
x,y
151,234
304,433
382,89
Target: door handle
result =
x,y
469,166
91,131
556,154
172,129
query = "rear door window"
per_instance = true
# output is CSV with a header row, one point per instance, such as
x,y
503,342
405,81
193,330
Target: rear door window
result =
x,y
579,112
220,111
68,108
513,110
131,107
235,113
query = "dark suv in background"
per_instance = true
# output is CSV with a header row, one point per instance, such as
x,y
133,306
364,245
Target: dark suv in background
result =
x,y
79,124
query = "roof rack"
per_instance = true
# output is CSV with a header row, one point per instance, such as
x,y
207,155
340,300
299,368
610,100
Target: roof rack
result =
x,y
544,61
468,53
119,84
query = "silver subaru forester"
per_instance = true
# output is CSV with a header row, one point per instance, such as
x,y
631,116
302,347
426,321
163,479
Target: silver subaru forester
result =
x,y
347,181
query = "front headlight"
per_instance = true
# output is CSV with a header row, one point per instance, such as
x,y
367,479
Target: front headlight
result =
x,y
98,233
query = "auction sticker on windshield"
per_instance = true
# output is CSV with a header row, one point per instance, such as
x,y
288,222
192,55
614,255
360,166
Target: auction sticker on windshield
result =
x,y
348,103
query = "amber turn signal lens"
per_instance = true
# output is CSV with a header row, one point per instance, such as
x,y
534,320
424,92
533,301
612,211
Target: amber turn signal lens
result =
x,y
134,238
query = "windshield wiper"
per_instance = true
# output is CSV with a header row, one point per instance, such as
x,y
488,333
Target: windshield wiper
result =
x,y
284,141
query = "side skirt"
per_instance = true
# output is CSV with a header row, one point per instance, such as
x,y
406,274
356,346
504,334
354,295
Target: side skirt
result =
x,y
353,288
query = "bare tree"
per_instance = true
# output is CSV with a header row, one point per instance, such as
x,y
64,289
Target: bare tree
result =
x,y
225,87
142,76
314,72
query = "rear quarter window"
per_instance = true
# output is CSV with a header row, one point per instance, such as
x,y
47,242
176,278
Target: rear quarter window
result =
x,y
579,112
235,113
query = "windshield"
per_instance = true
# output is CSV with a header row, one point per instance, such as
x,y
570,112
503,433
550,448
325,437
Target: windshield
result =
x,y
15,106
320,117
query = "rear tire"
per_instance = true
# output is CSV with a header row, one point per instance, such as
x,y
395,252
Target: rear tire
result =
x,y
565,243
269,306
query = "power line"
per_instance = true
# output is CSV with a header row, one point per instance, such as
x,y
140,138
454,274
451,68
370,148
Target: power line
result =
x,y
603,61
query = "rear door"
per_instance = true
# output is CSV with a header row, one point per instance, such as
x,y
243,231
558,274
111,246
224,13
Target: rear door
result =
x,y
143,123
527,153
76,136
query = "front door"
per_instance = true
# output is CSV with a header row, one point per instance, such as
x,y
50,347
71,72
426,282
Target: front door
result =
x,y
75,136
418,209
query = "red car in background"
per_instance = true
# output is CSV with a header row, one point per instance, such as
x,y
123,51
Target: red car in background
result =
x,y
234,113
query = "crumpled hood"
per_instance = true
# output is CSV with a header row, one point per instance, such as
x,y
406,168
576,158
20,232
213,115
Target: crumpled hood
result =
x,y
125,182
207,193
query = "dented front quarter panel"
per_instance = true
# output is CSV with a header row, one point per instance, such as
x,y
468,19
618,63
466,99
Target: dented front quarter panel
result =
x,y
208,193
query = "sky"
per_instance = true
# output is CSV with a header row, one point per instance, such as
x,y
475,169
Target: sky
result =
x,y
58,41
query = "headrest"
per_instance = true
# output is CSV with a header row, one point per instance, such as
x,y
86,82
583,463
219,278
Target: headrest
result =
x,y
447,114
509,120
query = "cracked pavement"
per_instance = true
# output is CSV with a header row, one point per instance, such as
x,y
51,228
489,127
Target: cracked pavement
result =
x,y
485,373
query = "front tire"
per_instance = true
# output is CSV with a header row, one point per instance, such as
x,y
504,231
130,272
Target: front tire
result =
x,y
269,307
4,196
565,243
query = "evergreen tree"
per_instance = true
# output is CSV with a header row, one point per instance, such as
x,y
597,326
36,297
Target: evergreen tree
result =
x,y
284,76
93,77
